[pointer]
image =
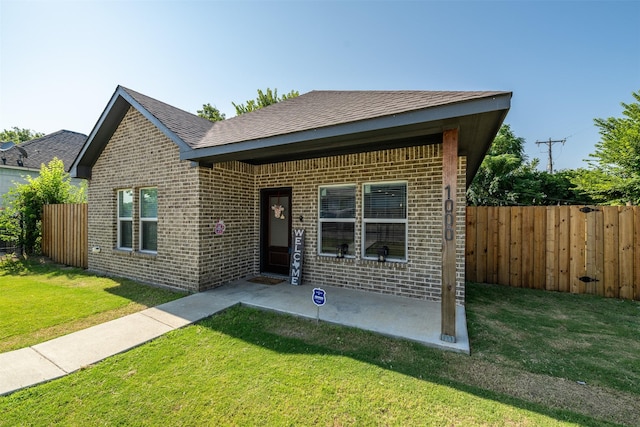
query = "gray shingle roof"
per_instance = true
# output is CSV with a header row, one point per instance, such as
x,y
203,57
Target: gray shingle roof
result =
x,y
314,124
63,144
312,110
189,127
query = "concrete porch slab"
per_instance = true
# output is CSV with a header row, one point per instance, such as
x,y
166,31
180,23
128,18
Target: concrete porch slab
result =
x,y
399,317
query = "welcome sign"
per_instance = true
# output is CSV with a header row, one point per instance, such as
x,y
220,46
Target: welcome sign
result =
x,y
295,273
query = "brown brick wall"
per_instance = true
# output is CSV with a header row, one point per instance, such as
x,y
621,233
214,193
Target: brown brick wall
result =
x,y
228,194
139,155
192,199
421,167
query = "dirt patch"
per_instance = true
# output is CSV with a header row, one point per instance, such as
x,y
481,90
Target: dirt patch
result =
x,y
598,402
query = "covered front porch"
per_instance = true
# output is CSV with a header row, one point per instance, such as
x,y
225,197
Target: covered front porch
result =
x,y
400,317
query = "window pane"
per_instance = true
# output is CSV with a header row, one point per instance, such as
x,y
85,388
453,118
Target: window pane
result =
x,y
149,203
149,236
385,201
126,234
391,235
125,203
338,202
333,234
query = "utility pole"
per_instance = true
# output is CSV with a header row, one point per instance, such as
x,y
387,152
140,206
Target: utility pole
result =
x,y
550,143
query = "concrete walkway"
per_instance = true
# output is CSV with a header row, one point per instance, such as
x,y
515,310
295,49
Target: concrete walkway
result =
x,y
393,316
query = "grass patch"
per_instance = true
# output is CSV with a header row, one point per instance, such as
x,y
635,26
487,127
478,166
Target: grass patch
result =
x,y
40,300
576,337
530,349
247,367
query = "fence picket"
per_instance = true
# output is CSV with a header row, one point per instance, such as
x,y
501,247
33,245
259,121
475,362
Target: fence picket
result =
x,y
539,247
515,247
528,247
577,250
504,227
551,252
625,252
563,249
611,244
492,244
482,245
470,246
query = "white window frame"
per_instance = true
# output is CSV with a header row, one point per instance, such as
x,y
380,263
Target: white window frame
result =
x,y
122,219
365,221
333,220
146,219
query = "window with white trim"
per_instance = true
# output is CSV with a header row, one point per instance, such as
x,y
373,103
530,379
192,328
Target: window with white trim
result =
x,y
149,219
337,220
384,220
125,219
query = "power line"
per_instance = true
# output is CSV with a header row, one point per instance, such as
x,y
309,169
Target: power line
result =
x,y
549,144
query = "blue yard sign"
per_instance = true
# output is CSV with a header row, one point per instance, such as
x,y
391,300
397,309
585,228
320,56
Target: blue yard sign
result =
x,y
319,297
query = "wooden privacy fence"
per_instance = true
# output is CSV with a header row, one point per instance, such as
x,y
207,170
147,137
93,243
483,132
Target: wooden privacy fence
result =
x,y
592,250
64,233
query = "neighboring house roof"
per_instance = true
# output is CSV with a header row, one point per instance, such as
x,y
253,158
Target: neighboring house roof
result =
x,y
63,144
318,123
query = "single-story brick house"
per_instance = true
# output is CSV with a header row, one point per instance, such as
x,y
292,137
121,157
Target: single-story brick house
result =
x,y
371,176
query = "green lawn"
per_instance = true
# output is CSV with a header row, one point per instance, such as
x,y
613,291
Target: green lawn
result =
x,y
538,358
577,337
40,300
246,367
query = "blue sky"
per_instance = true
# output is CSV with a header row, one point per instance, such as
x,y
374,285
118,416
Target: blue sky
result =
x,y
567,62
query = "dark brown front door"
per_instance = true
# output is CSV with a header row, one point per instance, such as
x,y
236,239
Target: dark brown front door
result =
x,y
275,230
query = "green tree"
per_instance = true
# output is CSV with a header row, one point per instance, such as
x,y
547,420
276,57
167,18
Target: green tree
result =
x,y
211,113
264,99
17,135
613,175
22,214
505,177
558,188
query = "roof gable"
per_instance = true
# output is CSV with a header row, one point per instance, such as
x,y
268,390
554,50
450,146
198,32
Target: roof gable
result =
x,y
178,125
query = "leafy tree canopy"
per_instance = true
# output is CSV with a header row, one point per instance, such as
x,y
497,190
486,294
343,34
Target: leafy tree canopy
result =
x,y
503,174
613,176
264,99
17,135
24,202
210,112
